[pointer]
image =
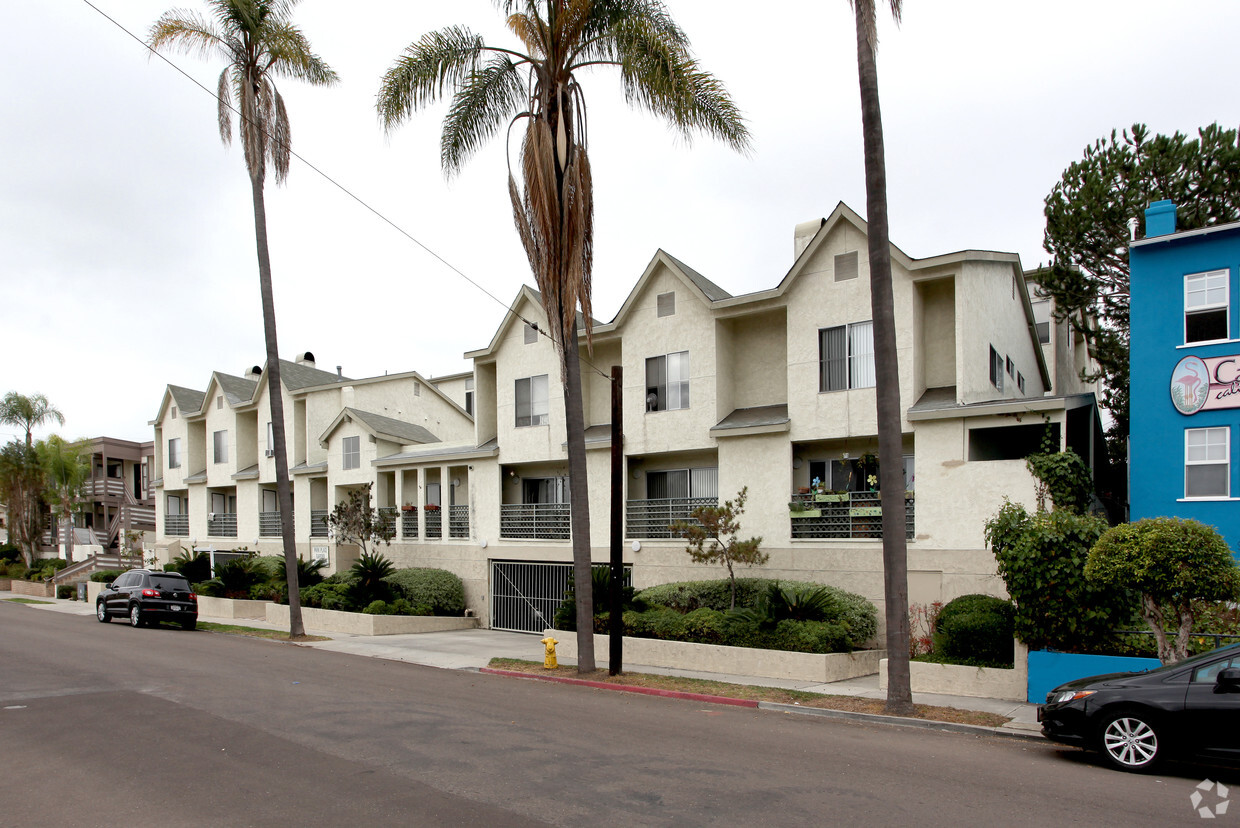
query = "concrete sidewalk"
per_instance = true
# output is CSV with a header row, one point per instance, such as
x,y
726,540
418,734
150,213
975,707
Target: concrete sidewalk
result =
x,y
474,649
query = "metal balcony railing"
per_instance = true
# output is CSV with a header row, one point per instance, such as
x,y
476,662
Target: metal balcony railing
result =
x,y
534,521
458,521
653,518
269,525
387,518
318,523
176,526
434,521
223,525
409,523
849,515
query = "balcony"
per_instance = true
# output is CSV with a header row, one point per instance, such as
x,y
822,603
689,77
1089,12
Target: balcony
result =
x,y
409,523
387,519
104,487
223,525
653,518
269,525
534,521
176,526
434,521
318,523
850,515
458,521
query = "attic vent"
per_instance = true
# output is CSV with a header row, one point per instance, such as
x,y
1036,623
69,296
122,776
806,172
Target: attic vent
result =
x,y
219,402
174,412
531,334
846,266
417,388
667,304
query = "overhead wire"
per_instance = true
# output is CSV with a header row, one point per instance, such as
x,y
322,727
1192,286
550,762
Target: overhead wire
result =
x,y
275,139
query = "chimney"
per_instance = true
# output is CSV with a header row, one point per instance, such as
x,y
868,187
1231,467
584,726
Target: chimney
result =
x,y
1159,219
804,234
253,373
306,359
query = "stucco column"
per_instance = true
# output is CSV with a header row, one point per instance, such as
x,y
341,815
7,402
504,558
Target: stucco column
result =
x,y
420,502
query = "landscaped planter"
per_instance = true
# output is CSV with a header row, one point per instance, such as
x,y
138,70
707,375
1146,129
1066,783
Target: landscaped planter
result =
x,y
231,607
714,658
1048,670
359,623
33,589
958,680
831,498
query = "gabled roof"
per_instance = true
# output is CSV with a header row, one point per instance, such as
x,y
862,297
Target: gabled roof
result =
x,y
237,390
187,399
525,294
380,427
295,377
706,290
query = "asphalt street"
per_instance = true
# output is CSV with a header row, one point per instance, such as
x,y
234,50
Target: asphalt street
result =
x,y
110,725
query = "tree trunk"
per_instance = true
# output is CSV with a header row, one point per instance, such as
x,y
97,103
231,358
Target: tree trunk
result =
x,y
887,381
579,503
284,495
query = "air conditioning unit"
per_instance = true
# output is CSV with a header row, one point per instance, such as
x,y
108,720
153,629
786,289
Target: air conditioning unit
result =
x,y
271,452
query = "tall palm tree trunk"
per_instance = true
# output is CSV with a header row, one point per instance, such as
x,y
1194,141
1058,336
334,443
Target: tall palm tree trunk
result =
x,y
284,495
579,503
887,381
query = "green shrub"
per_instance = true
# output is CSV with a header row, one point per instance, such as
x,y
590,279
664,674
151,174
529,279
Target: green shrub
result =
x,y
565,617
10,553
106,576
195,566
235,578
438,589
687,596
975,629
704,625
269,591
68,591
330,595
377,608
368,576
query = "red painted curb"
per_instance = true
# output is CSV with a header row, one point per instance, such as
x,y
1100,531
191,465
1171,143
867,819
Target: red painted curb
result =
x,y
627,688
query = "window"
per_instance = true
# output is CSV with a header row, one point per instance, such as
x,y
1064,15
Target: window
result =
x,y
1020,381
1207,462
667,382
469,396
174,453
996,368
846,357
532,405
544,490
173,505
271,503
1010,366
220,440
531,334
682,483
666,304
352,453
1205,306
1042,319
271,440
846,266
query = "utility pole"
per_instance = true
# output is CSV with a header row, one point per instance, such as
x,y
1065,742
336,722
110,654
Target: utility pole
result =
x,y
615,655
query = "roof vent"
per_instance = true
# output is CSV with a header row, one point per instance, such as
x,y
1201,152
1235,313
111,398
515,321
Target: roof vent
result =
x,y
306,359
254,372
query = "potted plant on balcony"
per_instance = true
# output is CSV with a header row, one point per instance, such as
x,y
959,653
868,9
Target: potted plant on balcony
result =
x,y
432,507
408,507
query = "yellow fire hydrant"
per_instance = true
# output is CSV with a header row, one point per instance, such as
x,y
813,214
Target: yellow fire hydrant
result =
x,y
549,662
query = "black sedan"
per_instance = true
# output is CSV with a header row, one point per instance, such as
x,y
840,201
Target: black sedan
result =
x,y
1136,719
146,596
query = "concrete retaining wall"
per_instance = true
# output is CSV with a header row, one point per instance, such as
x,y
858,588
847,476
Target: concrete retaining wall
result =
x,y
957,680
359,623
713,658
231,608
32,589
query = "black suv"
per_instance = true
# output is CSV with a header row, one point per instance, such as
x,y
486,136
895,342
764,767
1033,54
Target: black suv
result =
x,y
143,596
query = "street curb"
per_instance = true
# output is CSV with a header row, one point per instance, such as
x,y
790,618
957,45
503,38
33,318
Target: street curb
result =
x,y
626,688
777,707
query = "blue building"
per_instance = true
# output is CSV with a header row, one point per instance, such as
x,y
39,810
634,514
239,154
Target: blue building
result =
x,y
1185,366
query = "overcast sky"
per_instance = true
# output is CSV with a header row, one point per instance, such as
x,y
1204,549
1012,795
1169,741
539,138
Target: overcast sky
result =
x,y
126,232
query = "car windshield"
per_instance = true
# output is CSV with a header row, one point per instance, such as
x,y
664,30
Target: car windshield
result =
x,y
168,582
1198,659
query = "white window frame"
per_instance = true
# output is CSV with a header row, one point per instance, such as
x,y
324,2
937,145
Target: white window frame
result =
x,y
469,396
670,391
1212,280
219,447
1214,437
174,452
535,408
857,359
351,453
996,368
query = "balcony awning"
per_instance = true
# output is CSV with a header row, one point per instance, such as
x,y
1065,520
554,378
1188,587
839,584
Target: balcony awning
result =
x,y
763,419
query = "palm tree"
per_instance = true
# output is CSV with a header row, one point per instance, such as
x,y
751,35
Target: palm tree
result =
x,y
886,367
21,480
258,43
65,470
554,207
28,413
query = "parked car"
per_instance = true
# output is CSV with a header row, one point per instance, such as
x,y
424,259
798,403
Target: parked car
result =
x,y
1136,719
145,596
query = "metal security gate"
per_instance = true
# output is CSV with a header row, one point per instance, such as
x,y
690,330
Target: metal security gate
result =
x,y
525,595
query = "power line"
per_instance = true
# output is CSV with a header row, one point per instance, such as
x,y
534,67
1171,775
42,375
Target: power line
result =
x,y
338,185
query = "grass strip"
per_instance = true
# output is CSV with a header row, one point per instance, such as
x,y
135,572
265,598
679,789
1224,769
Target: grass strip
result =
x,y
254,632
777,695
27,601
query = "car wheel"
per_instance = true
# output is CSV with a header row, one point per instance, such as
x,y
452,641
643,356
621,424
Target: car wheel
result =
x,y
135,615
189,624
1130,742
101,612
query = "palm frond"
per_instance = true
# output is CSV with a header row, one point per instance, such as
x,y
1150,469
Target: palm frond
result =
x,y
482,103
189,33
868,18
224,113
439,60
281,136
292,57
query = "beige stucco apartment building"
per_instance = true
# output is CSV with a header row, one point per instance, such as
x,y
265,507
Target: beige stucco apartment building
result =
x,y
770,391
